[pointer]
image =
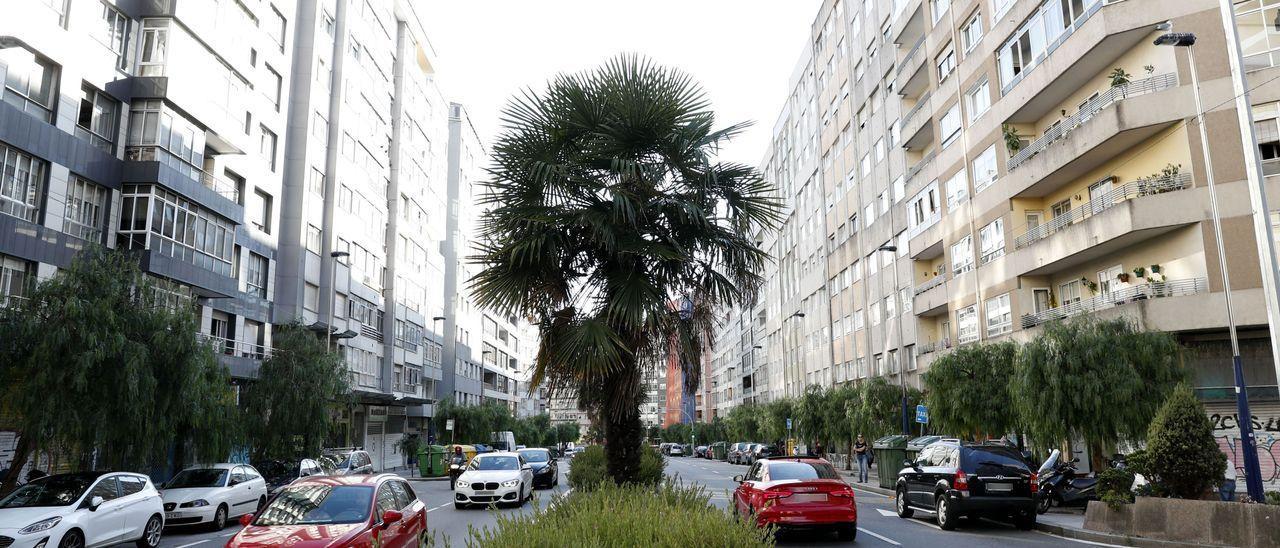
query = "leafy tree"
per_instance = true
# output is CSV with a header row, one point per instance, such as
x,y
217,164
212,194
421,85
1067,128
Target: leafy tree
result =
x,y
879,409
840,400
293,398
743,422
810,422
566,432
969,390
1183,456
611,223
95,359
472,423
1097,380
773,424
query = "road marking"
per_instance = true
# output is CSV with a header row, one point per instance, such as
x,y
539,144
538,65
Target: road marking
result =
x,y
886,513
881,537
428,511
1081,541
193,543
228,534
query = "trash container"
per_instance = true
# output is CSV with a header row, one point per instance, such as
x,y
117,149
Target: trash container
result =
x,y
718,450
890,451
914,446
432,461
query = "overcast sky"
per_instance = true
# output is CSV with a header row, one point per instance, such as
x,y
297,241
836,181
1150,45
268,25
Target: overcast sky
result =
x,y
742,51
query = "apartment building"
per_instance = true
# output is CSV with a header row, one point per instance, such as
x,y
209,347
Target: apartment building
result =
x,y
980,167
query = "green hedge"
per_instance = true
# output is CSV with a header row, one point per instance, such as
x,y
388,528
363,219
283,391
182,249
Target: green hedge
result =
x,y
589,469
670,515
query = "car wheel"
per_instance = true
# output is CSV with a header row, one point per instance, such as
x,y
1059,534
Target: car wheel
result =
x,y
1025,521
1045,502
946,515
73,539
219,519
150,534
846,533
900,503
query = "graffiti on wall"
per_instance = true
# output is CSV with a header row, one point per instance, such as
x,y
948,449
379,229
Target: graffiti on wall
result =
x,y
1266,429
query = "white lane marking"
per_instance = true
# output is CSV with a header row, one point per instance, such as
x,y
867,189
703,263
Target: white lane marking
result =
x,y
433,509
861,490
1081,541
881,537
192,543
887,513
228,534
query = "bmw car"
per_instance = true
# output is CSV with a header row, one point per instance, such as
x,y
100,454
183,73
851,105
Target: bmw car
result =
x,y
494,478
546,472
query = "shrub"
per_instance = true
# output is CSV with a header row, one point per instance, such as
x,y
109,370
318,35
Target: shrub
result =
x,y
671,515
1114,487
1181,454
590,468
1273,497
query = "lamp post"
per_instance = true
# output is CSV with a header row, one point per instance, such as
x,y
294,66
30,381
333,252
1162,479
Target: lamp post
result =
x,y
1253,479
902,372
333,302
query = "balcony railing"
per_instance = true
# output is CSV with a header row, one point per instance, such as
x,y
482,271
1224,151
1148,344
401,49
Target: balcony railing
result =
x,y
909,58
1089,109
222,186
991,256
919,106
932,283
924,225
232,347
933,346
1117,297
1135,189
918,167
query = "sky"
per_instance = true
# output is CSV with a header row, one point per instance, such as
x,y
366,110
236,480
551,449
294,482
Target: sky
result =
x,y
742,51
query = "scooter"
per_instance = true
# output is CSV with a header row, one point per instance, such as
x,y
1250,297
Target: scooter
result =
x,y
1060,484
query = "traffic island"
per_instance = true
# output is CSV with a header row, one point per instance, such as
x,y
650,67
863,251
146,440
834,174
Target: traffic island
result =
x,y
1197,522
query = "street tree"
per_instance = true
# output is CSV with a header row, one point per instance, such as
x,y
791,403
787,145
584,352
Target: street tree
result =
x,y
1182,455
1101,381
100,366
743,422
810,422
840,400
773,420
613,225
969,390
879,409
472,423
292,403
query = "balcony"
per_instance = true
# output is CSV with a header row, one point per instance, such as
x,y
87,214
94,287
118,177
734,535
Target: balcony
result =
x,y
932,283
1119,297
221,186
1136,189
1088,110
915,122
910,22
931,297
243,359
912,78
918,168
930,347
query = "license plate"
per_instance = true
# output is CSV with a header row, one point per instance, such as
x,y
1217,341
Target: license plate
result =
x,y
1000,487
484,492
172,515
818,497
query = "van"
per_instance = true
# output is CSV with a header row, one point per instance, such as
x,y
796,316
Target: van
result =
x,y
503,441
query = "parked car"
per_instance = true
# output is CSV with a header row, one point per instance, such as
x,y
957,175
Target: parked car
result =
x,y
749,454
210,495
338,511
796,493
763,451
546,472
734,454
700,451
494,478
279,473
954,478
82,509
348,461
675,450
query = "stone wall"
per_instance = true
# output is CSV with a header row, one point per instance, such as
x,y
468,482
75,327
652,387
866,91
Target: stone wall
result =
x,y
1191,521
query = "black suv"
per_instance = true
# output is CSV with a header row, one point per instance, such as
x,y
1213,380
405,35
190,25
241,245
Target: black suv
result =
x,y
954,479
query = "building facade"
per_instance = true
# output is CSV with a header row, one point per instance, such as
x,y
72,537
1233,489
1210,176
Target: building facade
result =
x,y
957,171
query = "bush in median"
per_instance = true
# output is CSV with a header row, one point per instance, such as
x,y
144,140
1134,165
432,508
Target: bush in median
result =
x,y
671,515
590,468
1183,455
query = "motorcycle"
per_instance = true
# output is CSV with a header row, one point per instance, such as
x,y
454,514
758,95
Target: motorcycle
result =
x,y
1059,484
456,466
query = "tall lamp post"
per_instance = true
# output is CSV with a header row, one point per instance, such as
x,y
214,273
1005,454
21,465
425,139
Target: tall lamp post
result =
x,y
333,302
1253,479
902,371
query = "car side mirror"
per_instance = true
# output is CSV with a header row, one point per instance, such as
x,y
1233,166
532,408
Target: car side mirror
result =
x,y
233,483
389,517
246,520
738,478
95,502
526,466
1075,460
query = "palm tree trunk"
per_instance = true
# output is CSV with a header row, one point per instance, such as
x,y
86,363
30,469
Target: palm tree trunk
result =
x,y
623,437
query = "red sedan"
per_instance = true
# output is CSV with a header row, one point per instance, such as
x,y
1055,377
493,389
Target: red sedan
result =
x,y
338,511
797,493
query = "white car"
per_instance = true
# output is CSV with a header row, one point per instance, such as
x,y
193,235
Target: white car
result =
x,y
676,450
211,495
494,478
83,510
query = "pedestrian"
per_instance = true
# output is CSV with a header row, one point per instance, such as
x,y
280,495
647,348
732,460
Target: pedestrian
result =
x,y
864,466
817,448
1228,489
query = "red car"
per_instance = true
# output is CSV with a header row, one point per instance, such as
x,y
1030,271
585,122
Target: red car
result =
x,y
338,511
795,493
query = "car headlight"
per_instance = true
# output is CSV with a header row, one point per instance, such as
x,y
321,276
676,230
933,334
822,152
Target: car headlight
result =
x,y
511,483
195,503
42,525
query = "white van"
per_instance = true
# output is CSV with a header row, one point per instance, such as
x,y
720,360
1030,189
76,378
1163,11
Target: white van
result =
x,y
503,441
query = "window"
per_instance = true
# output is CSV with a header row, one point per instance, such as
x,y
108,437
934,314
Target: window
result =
x,y
890,306
311,297
267,146
96,121
130,485
962,256
256,282
967,322
314,239
155,47
21,184
905,296
277,27
984,169
30,82
946,63
971,32
999,316
875,313
15,279
114,33
86,211
938,8
991,239
157,133
1070,292
262,214
924,208
859,321
178,228
108,488
1031,42
315,182
899,187
879,150
949,126
979,98
957,189
1001,6
866,164
273,88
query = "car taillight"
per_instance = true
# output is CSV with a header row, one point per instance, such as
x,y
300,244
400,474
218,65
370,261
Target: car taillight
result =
x,y
1035,482
843,492
773,497
961,482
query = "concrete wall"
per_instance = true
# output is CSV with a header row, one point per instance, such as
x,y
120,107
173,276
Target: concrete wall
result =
x,y
1190,521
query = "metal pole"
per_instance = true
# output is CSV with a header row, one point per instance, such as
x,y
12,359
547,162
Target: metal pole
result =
x,y
1262,236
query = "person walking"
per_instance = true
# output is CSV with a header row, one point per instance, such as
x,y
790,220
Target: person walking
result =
x,y
864,466
1227,491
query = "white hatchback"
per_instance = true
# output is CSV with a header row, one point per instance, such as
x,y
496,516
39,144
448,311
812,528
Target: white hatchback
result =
x,y
494,478
213,494
83,510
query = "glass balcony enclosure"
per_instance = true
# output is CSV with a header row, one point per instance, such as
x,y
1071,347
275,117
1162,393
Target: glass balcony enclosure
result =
x,y
162,221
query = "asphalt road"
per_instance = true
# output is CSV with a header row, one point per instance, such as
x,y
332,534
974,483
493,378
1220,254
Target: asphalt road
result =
x,y
878,525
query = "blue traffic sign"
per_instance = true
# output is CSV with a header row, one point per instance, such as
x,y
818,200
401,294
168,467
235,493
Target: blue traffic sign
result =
x,y
788,424
922,414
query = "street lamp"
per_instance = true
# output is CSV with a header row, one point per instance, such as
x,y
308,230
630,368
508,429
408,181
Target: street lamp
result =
x,y
333,302
1252,471
902,371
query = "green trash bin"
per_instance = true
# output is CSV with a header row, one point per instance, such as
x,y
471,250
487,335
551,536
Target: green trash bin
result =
x,y
718,450
433,461
914,446
890,451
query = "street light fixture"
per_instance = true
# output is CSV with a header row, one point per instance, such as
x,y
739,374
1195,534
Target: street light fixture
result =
x,y
1252,470
333,302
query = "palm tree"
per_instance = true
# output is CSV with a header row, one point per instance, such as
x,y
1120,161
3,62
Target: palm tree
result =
x,y
612,225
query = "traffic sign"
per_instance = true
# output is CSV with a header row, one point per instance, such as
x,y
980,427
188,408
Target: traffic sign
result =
x,y
788,423
448,424
922,414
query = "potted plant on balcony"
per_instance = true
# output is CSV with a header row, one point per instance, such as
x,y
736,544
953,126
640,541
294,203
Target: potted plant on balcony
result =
x,y
1139,272
1156,281
1012,140
1123,277
1119,77
1092,285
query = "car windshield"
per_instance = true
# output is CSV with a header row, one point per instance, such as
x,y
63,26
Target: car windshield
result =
x,y
198,477
61,490
318,505
800,471
277,469
536,455
495,463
